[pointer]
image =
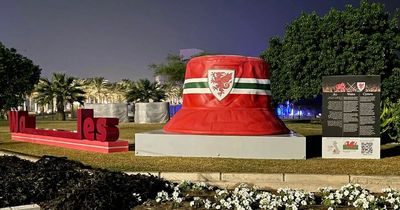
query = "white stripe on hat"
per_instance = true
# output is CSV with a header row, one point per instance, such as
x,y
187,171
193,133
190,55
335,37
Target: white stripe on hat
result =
x,y
250,91
196,90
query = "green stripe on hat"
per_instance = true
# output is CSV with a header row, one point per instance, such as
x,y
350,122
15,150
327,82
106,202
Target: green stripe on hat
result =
x,y
252,86
196,85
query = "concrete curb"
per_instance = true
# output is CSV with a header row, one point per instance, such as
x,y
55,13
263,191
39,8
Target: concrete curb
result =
x,y
309,182
23,207
22,156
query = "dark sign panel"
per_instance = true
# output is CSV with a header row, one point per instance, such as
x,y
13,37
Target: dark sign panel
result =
x,y
350,106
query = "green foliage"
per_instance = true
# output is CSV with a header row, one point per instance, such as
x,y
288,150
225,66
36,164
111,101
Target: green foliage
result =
x,y
174,69
45,93
18,75
145,91
58,183
63,89
356,41
390,120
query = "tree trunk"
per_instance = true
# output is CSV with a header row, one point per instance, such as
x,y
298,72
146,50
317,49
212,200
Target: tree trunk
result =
x,y
60,115
72,111
60,111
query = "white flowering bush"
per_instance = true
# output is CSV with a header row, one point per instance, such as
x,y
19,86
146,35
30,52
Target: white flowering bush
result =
x,y
295,198
197,202
390,199
350,195
136,196
176,197
245,197
345,196
197,186
242,197
162,197
267,200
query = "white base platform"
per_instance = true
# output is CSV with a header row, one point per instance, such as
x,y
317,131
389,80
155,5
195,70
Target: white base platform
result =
x,y
158,143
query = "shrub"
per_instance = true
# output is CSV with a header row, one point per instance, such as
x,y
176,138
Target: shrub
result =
x,y
58,183
390,121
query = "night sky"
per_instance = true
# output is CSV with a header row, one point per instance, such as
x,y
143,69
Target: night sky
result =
x,y
119,39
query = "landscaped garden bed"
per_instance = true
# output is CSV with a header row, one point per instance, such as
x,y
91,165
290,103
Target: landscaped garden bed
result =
x,y
58,183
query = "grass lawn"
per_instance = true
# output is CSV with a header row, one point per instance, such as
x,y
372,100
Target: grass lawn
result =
x,y
388,165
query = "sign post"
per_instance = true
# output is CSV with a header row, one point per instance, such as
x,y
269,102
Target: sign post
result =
x,y
350,117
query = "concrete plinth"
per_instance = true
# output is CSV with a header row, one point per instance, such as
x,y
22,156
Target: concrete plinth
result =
x,y
158,143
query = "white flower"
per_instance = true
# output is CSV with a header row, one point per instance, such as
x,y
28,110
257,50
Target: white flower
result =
x,y
178,200
371,198
175,194
207,204
356,192
191,203
284,198
246,202
346,193
303,202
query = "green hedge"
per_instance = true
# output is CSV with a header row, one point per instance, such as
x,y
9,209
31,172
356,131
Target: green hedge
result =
x,y
390,121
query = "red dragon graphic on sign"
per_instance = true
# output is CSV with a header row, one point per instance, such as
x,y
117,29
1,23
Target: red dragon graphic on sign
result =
x,y
350,145
340,87
220,82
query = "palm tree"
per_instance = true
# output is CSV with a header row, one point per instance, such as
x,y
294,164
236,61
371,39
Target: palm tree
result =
x,y
63,88
116,92
97,88
44,93
145,91
75,93
173,93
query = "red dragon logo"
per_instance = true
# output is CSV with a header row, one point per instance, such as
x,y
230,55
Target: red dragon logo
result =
x,y
350,145
220,82
340,87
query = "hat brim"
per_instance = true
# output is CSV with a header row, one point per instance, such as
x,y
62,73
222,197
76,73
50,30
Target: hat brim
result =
x,y
253,121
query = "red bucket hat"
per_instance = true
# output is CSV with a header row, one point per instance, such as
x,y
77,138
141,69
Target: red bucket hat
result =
x,y
226,95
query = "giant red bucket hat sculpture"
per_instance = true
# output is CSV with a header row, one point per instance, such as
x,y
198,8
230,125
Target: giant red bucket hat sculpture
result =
x,y
226,95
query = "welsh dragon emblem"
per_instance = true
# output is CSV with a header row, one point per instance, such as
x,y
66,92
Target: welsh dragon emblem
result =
x,y
221,82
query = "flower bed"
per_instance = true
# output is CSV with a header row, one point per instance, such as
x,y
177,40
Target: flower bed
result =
x,y
58,183
201,196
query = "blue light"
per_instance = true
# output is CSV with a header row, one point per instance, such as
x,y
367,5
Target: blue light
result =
x,y
305,110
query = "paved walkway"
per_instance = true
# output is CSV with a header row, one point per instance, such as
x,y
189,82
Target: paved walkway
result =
x,y
309,182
